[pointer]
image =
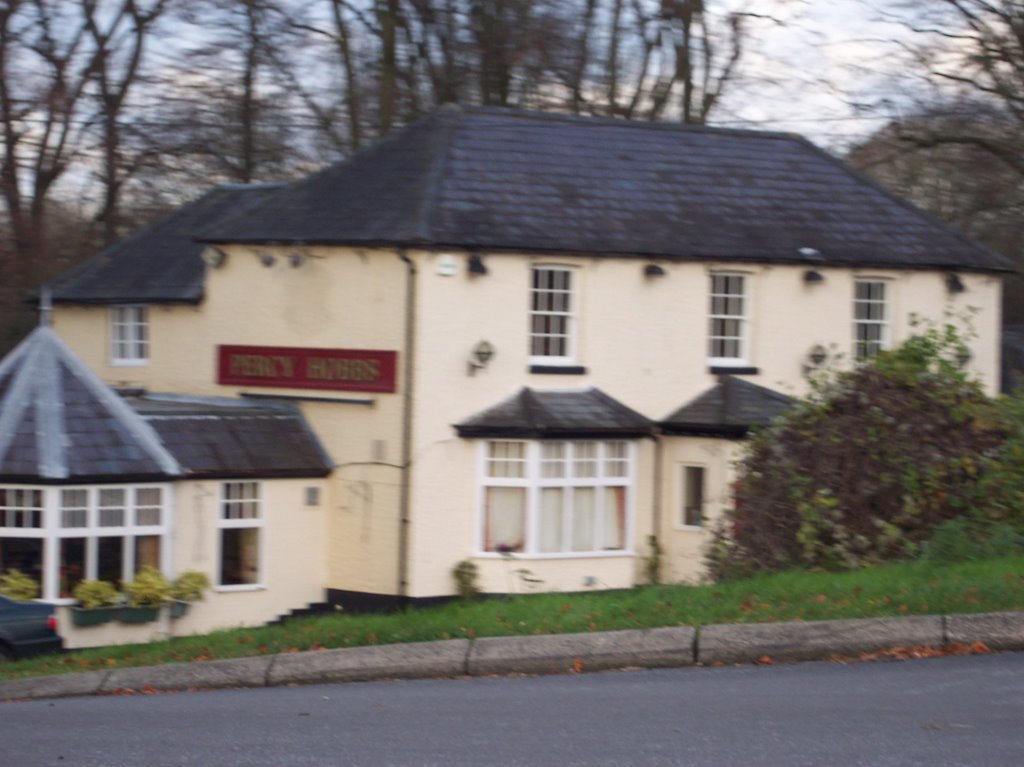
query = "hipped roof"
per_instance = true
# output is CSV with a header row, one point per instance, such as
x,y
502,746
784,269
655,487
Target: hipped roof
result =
x,y
553,414
497,179
158,264
730,408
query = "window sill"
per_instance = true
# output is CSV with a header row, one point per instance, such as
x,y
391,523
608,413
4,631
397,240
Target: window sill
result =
x,y
733,370
129,363
690,528
239,587
560,370
520,555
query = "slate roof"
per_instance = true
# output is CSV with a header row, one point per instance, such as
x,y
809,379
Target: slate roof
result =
x,y
225,438
728,409
59,422
160,263
550,414
486,178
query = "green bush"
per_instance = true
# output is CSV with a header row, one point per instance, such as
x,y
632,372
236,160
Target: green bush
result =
x,y
866,468
466,574
149,589
19,586
189,586
972,539
92,594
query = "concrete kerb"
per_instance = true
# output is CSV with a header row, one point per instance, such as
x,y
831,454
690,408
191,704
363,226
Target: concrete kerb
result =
x,y
748,642
400,661
997,631
553,653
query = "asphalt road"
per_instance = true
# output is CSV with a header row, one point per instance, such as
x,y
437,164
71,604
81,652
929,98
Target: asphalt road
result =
x,y
943,711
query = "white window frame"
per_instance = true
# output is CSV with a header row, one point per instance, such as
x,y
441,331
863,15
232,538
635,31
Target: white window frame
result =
x,y
533,482
129,335
716,291
544,307
866,348
684,491
255,522
52,530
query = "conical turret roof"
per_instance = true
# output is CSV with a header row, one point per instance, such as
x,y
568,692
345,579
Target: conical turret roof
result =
x,y
60,422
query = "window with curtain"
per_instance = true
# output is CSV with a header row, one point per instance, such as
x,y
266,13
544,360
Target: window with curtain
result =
x,y
556,497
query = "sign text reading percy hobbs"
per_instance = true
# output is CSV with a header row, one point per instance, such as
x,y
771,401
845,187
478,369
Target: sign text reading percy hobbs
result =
x,y
303,368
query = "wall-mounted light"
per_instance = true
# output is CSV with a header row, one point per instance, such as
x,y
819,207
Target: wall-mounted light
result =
x,y
476,264
653,270
811,277
815,359
954,284
482,353
267,258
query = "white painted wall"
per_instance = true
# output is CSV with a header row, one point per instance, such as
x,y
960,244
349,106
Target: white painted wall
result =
x,y
642,340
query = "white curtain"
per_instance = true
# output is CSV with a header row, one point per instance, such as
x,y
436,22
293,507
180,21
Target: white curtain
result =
x,y
505,518
551,502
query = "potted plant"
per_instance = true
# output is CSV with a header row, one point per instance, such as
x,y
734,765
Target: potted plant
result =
x,y
18,586
98,602
185,589
145,594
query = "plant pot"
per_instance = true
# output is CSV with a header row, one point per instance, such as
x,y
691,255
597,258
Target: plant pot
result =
x,y
94,616
179,608
138,614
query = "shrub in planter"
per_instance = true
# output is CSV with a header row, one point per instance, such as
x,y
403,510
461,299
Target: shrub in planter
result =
x,y
186,588
18,586
145,594
98,602
189,586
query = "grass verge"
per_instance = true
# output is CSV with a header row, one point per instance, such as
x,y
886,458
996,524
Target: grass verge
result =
x,y
916,588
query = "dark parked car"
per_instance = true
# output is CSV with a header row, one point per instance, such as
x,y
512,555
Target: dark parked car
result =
x,y
26,628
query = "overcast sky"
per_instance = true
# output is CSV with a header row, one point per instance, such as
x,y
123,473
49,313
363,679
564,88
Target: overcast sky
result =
x,y
835,70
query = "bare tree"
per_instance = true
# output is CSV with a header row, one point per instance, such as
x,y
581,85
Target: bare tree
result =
x,y
973,49
119,34
44,70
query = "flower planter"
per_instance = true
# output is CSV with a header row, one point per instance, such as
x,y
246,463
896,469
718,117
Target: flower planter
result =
x,y
179,608
138,614
94,616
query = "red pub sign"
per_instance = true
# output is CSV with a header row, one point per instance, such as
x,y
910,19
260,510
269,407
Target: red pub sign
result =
x,y
295,367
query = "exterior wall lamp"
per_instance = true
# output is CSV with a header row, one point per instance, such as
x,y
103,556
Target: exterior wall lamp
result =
x,y
267,259
954,284
963,356
812,277
653,270
482,353
815,358
476,264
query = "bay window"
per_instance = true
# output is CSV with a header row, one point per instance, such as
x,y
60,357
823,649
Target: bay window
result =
x,y
64,535
556,497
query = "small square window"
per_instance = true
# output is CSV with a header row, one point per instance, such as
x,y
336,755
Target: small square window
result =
x,y
129,335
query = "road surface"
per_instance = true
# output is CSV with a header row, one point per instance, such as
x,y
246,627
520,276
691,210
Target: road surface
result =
x,y
942,711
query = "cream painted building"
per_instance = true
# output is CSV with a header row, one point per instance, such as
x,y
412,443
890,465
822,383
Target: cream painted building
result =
x,y
528,341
